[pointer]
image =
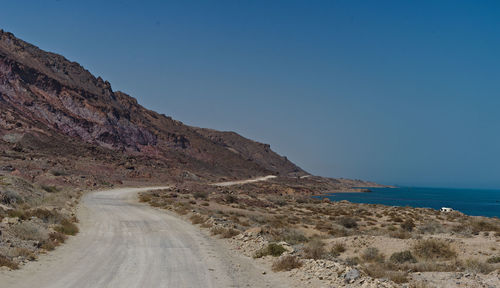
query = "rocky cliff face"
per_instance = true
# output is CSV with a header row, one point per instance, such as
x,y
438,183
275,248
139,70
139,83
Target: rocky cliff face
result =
x,y
44,95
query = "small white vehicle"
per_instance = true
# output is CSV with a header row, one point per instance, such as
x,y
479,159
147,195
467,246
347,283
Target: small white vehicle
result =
x,y
446,209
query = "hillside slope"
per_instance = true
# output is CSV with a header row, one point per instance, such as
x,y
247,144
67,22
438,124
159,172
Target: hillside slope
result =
x,y
52,105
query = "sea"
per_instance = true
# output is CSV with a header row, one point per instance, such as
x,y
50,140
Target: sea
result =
x,y
468,201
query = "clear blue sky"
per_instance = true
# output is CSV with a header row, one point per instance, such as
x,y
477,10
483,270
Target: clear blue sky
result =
x,y
399,92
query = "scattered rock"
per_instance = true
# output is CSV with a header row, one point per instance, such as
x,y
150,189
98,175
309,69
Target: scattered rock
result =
x,y
352,275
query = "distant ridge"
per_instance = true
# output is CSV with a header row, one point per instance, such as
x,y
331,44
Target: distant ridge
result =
x,y
51,105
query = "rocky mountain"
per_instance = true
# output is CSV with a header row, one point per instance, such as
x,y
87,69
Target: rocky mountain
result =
x,y
52,109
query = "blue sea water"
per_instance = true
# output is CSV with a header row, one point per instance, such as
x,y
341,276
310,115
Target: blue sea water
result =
x,y
468,201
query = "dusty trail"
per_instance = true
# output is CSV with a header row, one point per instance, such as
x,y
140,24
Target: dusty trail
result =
x,y
239,182
124,243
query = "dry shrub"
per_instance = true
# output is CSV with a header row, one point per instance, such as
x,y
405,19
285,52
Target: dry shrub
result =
x,y
408,225
23,252
182,210
375,271
315,249
49,245
206,225
338,232
432,266
286,263
4,261
197,219
200,195
10,197
21,214
66,227
143,197
397,219
348,222
272,249
476,266
50,189
30,231
224,232
57,237
217,230
372,254
398,277
337,249
433,249
229,198
494,260
402,257
400,234
418,284
47,216
323,226
230,233
352,261
291,237
475,225
431,227
381,271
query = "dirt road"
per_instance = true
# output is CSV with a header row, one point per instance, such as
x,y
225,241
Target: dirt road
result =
x,y
123,243
239,182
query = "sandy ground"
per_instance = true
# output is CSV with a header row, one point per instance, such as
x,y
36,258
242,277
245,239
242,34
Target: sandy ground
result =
x,y
123,243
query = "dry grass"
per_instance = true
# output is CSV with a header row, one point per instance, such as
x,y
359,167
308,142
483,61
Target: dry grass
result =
x,y
402,257
4,261
24,253
494,260
378,271
145,197
348,222
66,227
224,232
476,266
272,249
47,216
372,254
286,263
337,249
200,195
30,231
57,237
418,284
315,249
50,189
197,219
309,223
433,249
